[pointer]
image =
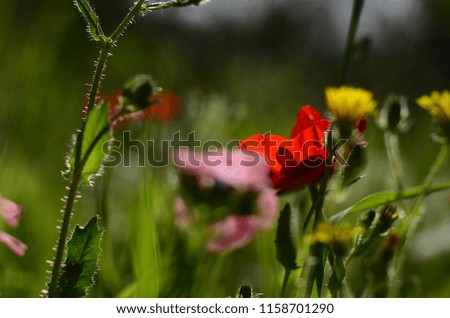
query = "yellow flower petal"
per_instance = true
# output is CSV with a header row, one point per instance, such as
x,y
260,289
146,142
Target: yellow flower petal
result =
x,y
329,234
437,104
348,104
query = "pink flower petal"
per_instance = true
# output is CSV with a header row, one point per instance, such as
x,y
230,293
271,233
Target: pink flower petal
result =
x,y
267,202
14,244
182,217
238,169
231,233
10,211
237,231
241,170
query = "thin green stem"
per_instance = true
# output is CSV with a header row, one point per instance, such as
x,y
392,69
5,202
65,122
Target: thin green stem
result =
x,y
163,5
78,168
287,273
393,152
412,222
174,3
315,258
100,67
315,261
356,13
63,235
79,161
361,248
126,21
313,192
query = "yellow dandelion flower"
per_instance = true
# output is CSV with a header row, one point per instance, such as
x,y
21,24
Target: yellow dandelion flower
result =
x,y
335,236
348,104
437,104
329,234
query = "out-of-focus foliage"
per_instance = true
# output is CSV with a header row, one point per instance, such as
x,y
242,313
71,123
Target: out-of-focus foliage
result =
x,y
236,79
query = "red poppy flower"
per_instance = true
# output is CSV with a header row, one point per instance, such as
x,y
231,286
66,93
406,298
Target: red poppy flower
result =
x,y
296,161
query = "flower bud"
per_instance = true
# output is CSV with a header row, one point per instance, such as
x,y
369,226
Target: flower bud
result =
x,y
356,163
246,291
367,219
138,90
386,217
395,114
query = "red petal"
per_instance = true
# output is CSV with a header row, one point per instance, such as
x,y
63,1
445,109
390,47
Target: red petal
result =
x,y
299,160
267,146
167,108
361,125
300,176
114,103
306,117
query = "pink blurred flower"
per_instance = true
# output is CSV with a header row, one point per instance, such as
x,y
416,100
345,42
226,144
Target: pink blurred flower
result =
x,y
236,231
241,171
11,212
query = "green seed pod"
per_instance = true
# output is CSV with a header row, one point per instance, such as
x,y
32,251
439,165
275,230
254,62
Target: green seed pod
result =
x,y
395,114
286,251
357,161
138,90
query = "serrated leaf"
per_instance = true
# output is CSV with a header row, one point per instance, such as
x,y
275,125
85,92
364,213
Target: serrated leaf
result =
x,y
286,251
92,20
80,266
94,132
381,198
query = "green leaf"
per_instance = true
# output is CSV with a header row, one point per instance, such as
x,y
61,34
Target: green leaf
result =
x,y
80,267
92,20
96,134
286,251
381,198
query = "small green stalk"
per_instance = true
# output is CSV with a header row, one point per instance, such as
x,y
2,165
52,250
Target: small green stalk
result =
x,y
127,20
316,250
78,169
356,13
412,222
79,161
313,192
393,152
287,273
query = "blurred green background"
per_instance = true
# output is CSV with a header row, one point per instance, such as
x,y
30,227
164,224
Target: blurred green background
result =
x,y
241,67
